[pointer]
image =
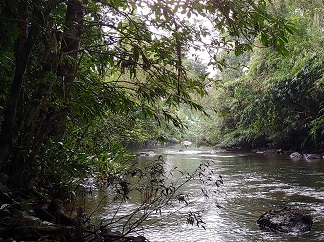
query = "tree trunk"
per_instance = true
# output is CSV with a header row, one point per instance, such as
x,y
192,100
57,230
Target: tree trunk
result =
x,y
39,103
70,50
39,123
43,122
24,46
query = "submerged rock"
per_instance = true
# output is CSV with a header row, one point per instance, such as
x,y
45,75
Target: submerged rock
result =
x,y
308,157
287,220
312,156
146,153
110,236
186,143
296,156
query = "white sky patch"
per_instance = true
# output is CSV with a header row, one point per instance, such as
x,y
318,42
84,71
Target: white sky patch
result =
x,y
203,23
203,54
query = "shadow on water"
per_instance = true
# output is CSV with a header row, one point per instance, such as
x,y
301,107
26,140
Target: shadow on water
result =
x,y
253,184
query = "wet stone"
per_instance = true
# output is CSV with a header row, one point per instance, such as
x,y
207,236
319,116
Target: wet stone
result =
x,y
286,220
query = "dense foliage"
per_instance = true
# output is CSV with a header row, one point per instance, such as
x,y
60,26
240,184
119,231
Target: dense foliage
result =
x,y
271,100
79,79
83,81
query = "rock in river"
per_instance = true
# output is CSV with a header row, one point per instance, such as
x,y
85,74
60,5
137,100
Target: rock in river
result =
x,y
296,156
287,220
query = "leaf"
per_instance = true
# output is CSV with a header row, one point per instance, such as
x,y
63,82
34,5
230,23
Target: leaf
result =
x,y
264,39
136,53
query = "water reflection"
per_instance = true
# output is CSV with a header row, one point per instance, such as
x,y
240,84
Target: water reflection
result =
x,y
253,184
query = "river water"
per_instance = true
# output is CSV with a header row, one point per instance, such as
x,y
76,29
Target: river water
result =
x,y
252,185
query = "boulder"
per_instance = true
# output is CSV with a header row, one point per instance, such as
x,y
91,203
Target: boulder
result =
x,y
309,157
33,233
287,220
186,143
3,178
146,153
21,226
296,156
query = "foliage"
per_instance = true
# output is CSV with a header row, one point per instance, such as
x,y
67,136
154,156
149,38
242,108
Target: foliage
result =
x,y
79,76
278,102
80,80
151,184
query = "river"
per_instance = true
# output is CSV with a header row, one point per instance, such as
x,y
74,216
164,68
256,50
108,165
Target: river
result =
x,y
252,185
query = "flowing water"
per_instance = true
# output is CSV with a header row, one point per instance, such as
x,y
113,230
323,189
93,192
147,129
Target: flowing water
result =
x,y
253,184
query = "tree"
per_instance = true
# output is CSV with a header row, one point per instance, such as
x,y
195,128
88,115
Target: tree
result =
x,y
277,101
69,61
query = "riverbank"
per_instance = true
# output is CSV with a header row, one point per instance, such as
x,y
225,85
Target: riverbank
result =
x,y
27,215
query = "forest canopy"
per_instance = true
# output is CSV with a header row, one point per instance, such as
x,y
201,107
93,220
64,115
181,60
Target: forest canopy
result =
x,y
81,78
267,100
